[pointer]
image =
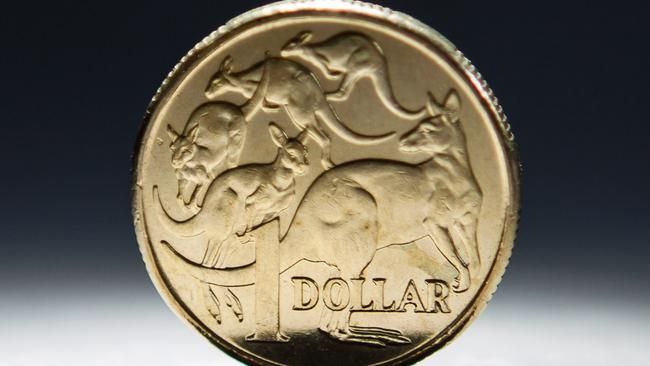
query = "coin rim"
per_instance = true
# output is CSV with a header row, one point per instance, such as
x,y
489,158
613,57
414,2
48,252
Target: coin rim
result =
x,y
369,12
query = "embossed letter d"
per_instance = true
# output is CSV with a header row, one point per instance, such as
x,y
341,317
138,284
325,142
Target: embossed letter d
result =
x,y
300,301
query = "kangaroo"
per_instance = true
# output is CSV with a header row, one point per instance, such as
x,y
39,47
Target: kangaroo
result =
x,y
360,207
210,144
278,83
245,197
351,57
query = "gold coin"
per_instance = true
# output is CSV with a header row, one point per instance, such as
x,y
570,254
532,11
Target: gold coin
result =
x,y
326,183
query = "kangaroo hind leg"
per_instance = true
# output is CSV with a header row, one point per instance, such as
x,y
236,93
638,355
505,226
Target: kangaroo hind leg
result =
x,y
307,120
353,246
346,86
228,212
323,140
443,242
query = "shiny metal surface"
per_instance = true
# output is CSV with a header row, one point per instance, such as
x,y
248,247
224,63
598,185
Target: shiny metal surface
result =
x,y
326,182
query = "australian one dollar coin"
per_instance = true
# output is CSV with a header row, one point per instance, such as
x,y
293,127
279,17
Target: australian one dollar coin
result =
x,y
325,183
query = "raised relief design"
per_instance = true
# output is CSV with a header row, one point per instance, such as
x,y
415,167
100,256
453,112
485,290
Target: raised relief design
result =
x,y
350,57
279,83
358,208
348,213
351,292
242,198
210,144
213,303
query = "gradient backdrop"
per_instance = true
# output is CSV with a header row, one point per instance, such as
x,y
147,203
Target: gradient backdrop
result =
x,y
77,76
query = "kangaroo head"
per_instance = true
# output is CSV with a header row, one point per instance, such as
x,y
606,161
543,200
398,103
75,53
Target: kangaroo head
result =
x,y
295,46
434,135
183,147
223,81
292,153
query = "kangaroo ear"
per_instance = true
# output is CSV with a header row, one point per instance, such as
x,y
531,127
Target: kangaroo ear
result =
x,y
452,101
193,134
302,137
277,135
172,134
452,106
226,65
304,37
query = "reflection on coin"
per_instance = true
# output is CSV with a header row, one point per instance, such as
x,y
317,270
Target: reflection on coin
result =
x,y
326,182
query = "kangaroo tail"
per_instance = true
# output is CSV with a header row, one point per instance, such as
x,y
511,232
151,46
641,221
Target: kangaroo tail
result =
x,y
230,277
385,93
182,228
332,120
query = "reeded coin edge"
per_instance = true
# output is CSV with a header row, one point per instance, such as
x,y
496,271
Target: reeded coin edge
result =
x,y
365,11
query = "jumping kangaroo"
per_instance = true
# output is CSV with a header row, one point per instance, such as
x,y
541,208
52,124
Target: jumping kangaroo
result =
x,y
360,207
352,57
243,198
278,83
211,143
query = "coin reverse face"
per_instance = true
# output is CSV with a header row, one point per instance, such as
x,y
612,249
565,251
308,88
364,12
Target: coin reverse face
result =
x,y
322,183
